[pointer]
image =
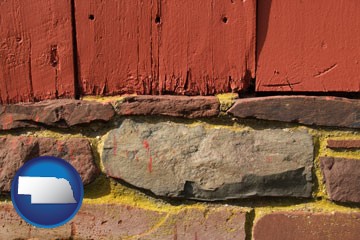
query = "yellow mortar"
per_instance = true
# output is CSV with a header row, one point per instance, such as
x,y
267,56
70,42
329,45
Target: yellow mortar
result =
x,y
124,195
320,141
105,190
105,99
227,100
114,192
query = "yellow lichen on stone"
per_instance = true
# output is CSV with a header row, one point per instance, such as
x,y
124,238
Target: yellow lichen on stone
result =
x,y
226,100
105,99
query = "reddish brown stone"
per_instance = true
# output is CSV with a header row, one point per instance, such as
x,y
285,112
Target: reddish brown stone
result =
x,y
177,106
343,144
342,178
15,151
226,223
111,221
59,113
13,227
324,111
118,221
308,226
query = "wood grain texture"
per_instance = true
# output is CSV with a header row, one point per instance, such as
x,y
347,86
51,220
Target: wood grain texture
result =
x,y
206,47
36,54
114,41
165,46
307,45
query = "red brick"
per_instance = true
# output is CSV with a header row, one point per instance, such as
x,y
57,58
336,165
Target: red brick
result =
x,y
343,144
14,227
225,223
111,221
176,106
308,46
16,150
342,178
308,110
308,226
117,221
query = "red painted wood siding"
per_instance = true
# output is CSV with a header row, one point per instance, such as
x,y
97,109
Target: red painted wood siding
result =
x,y
115,42
36,54
307,45
157,47
186,47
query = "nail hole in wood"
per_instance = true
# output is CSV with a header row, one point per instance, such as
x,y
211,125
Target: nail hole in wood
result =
x,y
157,20
91,17
225,19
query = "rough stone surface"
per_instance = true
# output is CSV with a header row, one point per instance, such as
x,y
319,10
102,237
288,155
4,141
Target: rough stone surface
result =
x,y
325,111
224,223
114,221
179,160
343,144
342,178
118,221
16,150
14,227
176,106
307,226
59,113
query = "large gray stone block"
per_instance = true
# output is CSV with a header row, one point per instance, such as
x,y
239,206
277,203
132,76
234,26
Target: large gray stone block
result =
x,y
198,162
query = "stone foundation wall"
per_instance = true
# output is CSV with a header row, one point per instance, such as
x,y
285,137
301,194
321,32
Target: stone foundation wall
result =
x,y
176,167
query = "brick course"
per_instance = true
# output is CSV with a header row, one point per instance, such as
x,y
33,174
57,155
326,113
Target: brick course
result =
x,y
16,150
308,226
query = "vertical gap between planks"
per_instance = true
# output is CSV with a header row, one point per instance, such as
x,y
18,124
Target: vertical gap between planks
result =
x,y
77,89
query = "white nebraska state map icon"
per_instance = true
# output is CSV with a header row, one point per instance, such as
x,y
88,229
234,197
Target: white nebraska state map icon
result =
x,y
46,190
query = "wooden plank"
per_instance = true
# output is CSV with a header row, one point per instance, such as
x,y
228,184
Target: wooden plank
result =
x,y
306,45
165,47
206,47
114,45
36,54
